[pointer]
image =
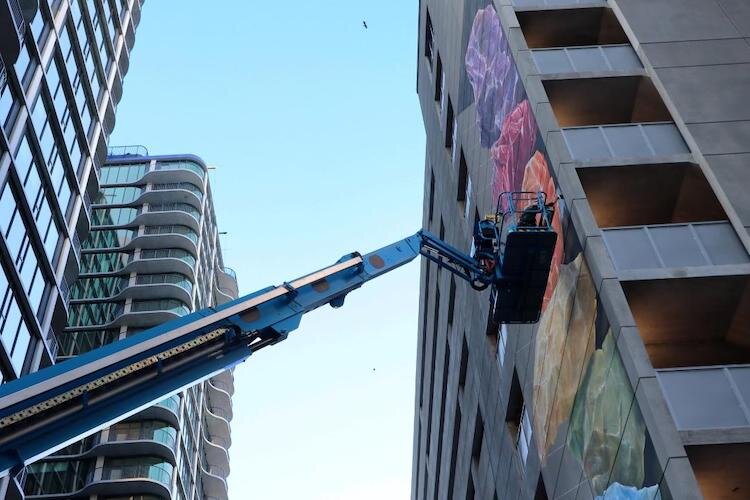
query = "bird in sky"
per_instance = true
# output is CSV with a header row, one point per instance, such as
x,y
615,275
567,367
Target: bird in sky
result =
x,y
364,23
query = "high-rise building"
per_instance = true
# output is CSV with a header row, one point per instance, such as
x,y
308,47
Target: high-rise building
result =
x,y
62,64
153,254
632,117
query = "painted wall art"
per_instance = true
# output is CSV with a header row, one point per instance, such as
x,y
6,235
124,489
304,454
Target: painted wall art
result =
x,y
588,430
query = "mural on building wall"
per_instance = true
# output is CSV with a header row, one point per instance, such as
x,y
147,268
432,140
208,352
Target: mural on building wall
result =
x,y
583,403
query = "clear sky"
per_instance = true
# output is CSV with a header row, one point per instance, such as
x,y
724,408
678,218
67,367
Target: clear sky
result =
x,y
314,126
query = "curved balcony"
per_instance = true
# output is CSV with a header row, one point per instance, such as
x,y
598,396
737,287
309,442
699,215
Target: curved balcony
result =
x,y
215,424
222,296
214,485
164,172
172,213
224,381
149,261
142,313
111,443
76,479
227,282
167,410
216,456
173,192
173,236
218,398
113,478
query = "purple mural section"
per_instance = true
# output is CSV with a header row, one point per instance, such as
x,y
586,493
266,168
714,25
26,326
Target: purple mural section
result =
x,y
506,121
590,435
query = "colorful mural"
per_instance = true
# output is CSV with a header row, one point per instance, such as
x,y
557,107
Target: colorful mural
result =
x,y
583,405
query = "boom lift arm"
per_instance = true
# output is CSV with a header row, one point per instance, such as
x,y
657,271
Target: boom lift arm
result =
x,y
51,408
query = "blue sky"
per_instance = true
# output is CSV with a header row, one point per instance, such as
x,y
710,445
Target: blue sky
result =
x,y
314,126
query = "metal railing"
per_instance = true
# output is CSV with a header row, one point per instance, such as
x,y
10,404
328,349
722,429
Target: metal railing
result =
x,y
629,140
694,394
620,57
132,150
231,272
554,3
674,245
3,74
17,13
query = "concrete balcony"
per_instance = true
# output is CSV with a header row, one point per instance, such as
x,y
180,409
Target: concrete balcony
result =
x,y
214,480
692,322
227,282
167,410
219,400
217,424
216,457
569,27
224,381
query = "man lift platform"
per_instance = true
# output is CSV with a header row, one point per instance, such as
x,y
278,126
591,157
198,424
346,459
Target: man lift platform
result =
x,y
51,408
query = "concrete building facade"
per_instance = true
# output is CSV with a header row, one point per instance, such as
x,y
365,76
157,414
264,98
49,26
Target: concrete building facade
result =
x,y
153,254
62,64
632,115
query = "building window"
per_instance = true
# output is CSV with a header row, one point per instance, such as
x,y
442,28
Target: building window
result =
x,y
454,449
429,40
541,490
432,195
424,330
450,126
477,442
451,301
441,427
502,344
439,83
517,419
463,194
435,324
464,365
470,489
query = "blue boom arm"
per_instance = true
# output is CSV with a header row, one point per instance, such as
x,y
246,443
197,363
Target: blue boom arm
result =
x,y
49,409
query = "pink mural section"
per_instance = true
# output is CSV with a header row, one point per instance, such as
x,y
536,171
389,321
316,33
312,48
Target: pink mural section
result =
x,y
506,122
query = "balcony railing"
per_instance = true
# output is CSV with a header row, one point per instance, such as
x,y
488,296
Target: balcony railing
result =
x,y
133,150
707,397
231,272
636,140
554,3
596,58
674,245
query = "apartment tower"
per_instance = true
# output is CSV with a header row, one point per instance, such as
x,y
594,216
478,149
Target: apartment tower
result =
x,y
153,254
62,65
632,117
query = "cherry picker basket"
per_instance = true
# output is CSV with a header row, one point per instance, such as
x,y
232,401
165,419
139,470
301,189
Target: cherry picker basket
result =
x,y
526,243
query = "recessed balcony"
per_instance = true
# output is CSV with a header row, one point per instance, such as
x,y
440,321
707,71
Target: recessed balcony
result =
x,y
570,27
689,322
609,118
721,470
636,195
